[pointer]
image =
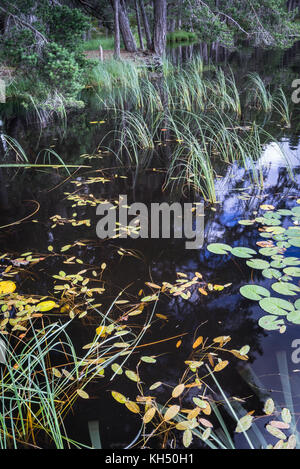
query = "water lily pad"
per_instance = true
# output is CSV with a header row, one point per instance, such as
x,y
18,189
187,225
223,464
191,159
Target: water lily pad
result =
x,y
271,273
270,323
244,253
258,264
278,264
268,251
254,292
284,212
219,248
246,222
297,304
293,271
295,242
294,316
276,306
284,288
292,261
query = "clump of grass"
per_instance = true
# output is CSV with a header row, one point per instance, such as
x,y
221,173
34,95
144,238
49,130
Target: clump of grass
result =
x,y
107,43
181,36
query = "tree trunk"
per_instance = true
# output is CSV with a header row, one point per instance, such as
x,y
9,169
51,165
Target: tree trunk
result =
x,y
138,20
117,52
160,26
146,26
128,38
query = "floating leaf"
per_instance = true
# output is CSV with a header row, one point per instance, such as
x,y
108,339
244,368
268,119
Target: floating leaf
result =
x,y
221,365
270,323
293,271
219,248
133,407
254,292
244,423
258,264
244,253
45,306
116,369
132,376
200,402
206,423
155,385
7,286
279,424
118,397
276,306
206,434
285,288
294,317
267,207
171,412
187,438
276,432
149,415
244,350
286,416
246,222
291,443
178,390
148,359
82,394
198,342
271,273
268,251
269,407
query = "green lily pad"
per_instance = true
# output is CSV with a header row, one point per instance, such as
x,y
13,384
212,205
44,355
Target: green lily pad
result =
x,y
278,264
268,251
276,306
271,273
254,292
294,316
292,261
285,288
293,271
246,222
295,242
284,212
297,304
271,323
219,248
244,253
258,264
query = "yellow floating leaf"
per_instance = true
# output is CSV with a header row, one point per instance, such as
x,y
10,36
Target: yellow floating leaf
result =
x,y
133,407
45,306
149,415
221,365
7,286
267,207
171,412
202,291
118,397
82,394
178,390
194,413
198,342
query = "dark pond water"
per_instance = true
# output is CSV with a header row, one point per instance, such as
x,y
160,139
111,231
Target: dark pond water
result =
x,y
219,313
